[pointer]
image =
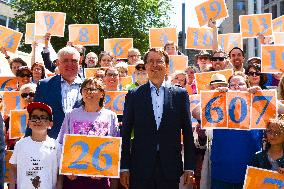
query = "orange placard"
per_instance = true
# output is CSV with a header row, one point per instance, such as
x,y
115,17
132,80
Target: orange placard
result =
x,y
118,46
8,83
84,34
18,123
87,155
213,110
251,25
123,81
158,37
278,24
230,40
263,179
203,79
194,100
12,101
10,39
114,100
200,38
7,166
50,22
272,58
239,104
278,38
30,34
130,69
264,107
50,74
90,72
178,62
212,9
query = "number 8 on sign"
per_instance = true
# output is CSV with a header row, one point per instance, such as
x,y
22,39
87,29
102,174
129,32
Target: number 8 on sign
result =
x,y
83,35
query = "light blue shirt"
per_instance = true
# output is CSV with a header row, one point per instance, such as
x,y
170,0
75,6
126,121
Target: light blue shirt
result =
x,y
70,93
157,96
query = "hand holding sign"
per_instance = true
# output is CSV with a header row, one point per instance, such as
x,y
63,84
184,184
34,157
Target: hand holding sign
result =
x,y
87,155
214,9
50,22
84,34
10,39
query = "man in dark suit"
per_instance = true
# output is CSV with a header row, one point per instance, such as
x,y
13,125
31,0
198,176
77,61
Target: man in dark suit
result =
x,y
61,92
156,113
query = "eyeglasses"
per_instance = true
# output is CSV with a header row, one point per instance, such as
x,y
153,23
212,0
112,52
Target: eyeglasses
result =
x,y
159,62
273,133
214,59
25,75
25,95
39,119
134,55
203,57
253,73
89,89
111,75
237,85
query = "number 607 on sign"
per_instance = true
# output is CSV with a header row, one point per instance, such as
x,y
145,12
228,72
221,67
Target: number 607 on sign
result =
x,y
86,155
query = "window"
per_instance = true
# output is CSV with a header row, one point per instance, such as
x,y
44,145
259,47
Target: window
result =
x,y
281,7
12,24
274,11
3,20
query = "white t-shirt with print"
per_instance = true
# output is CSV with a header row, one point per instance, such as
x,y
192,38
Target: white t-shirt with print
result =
x,y
37,163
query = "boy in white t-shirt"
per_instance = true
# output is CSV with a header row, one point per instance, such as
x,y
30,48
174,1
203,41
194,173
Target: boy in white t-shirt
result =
x,y
36,158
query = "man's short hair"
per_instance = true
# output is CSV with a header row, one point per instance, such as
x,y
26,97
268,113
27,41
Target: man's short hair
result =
x,y
133,50
18,60
170,43
166,56
81,49
67,51
236,48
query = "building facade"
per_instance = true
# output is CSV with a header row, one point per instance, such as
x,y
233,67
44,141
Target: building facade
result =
x,y
7,14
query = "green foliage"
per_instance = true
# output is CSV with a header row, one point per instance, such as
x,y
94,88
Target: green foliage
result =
x,y
116,18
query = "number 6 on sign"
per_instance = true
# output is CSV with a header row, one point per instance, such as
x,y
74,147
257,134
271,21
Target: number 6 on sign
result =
x,y
118,46
88,155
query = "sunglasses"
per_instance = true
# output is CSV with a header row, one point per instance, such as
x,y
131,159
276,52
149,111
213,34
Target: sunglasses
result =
x,y
25,75
35,119
140,68
214,59
111,75
25,95
253,73
203,57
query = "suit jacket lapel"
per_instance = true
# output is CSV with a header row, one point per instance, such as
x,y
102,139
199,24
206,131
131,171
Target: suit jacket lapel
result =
x,y
148,102
57,89
166,105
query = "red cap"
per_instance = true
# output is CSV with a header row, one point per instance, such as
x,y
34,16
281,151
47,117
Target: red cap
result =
x,y
39,105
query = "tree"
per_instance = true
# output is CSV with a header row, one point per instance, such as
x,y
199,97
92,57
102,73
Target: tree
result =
x,y
117,18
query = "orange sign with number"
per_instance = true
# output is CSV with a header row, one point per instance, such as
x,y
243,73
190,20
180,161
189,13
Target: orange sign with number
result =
x,y
200,38
242,111
130,69
8,83
84,34
212,9
278,38
203,79
12,101
278,24
238,109
114,101
10,39
230,40
178,62
30,34
252,25
272,58
7,166
263,179
158,37
213,105
194,101
88,155
264,107
118,46
50,22
18,123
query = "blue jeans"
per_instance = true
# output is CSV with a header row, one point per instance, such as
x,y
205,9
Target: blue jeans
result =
x,y
217,184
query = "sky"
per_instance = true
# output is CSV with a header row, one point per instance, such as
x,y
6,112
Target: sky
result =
x,y
190,16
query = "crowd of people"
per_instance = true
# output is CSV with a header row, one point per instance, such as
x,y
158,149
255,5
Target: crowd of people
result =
x,y
156,112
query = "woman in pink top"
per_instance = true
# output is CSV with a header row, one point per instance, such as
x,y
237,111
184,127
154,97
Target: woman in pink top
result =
x,y
90,119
